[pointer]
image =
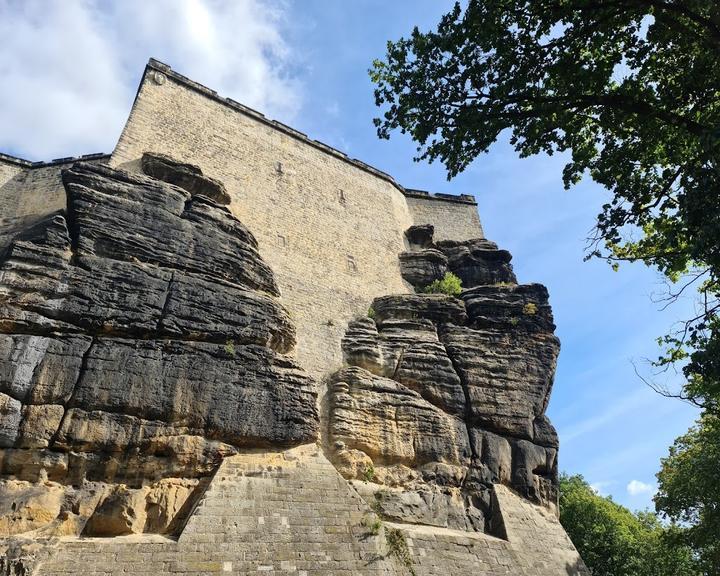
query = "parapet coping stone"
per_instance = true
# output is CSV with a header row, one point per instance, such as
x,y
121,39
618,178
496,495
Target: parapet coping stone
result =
x,y
154,65
9,159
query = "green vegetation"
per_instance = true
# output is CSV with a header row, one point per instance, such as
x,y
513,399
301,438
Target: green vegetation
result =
x,y
230,348
372,524
530,309
398,547
369,473
628,89
450,285
376,505
371,312
689,490
613,541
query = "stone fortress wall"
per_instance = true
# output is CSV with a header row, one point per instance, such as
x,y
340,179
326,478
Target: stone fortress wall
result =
x,y
330,226
331,229
29,191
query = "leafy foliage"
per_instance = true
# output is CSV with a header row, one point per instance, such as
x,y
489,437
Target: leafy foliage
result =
x,y
450,284
689,490
615,542
369,473
530,309
398,547
628,87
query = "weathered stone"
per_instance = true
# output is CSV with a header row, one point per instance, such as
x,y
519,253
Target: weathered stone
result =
x,y
242,395
409,352
439,308
120,216
352,463
33,465
10,418
390,422
420,235
494,376
40,423
122,512
214,311
130,299
535,471
186,176
25,506
430,505
477,262
422,267
509,308
361,345
142,342
40,369
165,504
545,433
507,375
495,452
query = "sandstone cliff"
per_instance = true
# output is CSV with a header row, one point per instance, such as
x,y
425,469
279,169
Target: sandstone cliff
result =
x,y
141,342
144,349
445,396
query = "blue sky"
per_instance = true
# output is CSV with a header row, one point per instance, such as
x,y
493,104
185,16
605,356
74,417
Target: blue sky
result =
x,y
70,69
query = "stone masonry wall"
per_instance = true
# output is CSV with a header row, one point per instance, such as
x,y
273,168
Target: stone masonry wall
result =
x,y
330,229
453,220
29,193
292,513
8,169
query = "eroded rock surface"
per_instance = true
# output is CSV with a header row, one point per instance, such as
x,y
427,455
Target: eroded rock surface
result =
x,y
141,341
186,176
476,262
444,396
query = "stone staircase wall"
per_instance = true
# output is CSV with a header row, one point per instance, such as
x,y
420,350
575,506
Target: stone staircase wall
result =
x,y
292,513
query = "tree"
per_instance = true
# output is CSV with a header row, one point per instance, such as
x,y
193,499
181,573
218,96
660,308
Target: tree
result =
x,y
629,88
615,542
689,491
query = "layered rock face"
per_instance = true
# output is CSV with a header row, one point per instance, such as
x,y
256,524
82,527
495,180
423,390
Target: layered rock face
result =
x,y
444,396
141,341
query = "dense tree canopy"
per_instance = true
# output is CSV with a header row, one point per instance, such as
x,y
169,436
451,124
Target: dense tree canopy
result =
x,y
689,491
629,88
615,542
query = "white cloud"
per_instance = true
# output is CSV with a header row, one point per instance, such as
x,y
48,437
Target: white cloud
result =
x,y
636,487
69,68
600,488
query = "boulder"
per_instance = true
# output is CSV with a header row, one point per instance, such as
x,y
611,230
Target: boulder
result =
x,y
420,236
186,176
421,268
477,262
